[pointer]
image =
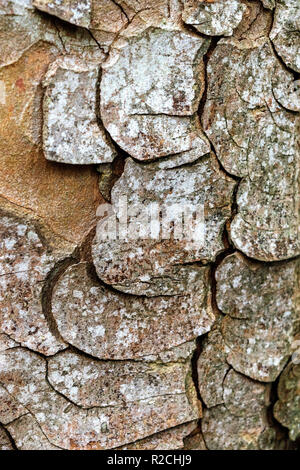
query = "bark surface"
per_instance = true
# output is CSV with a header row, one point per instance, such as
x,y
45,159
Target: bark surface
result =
x,y
149,224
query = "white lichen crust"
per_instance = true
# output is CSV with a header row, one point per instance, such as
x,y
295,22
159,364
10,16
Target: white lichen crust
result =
x,y
250,118
262,321
119,320
150,91
165,399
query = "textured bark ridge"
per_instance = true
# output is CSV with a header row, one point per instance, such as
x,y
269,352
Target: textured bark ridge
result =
x,y
286,409
104,418
159,267
126,126
111,325
214,18
241,420
71,133
25,264
250,117
285,32
150,91
262,321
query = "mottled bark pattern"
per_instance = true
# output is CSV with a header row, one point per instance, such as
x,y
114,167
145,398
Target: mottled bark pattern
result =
x,y
116,336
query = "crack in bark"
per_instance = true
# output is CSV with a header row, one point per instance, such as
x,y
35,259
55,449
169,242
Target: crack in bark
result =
x,y
29,413
156,361
121,8
47,290
295,74
58,33
98,44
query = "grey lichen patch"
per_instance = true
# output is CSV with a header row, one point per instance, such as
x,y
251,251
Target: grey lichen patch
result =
x,y
214,18
262,318
10,408
28,435
243,396
274,233
147,137
225,431
249,120
219,384
256,138
107,19
104,19
5,442
150,90
104,16
112,325
236,417
25,263
120,421
171,439
15,7
286,31
287,95
77,12
237,406
287,408
21,27
156,263
114,383
174,87
71,131
212,367
132,307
